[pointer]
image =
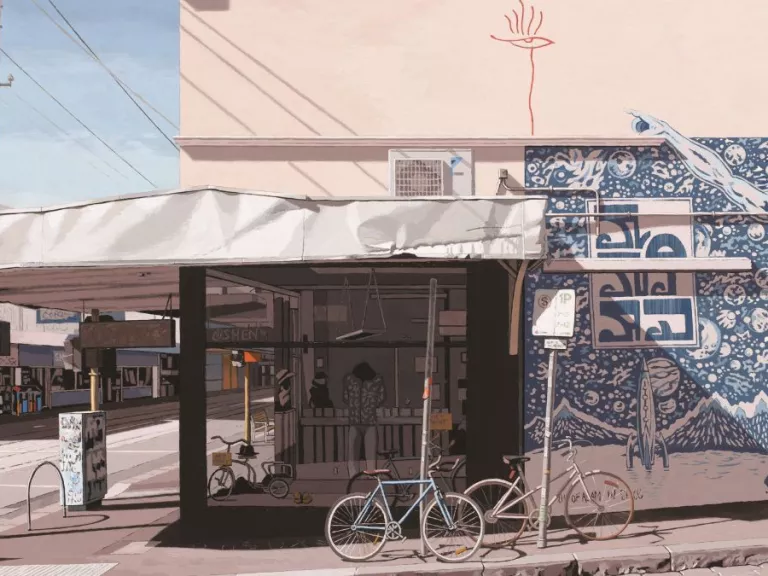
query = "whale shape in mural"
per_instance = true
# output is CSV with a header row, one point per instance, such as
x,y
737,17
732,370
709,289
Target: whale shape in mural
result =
x,y
646,440
704,163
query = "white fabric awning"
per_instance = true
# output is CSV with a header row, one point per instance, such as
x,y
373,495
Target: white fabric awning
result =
x,y
42,249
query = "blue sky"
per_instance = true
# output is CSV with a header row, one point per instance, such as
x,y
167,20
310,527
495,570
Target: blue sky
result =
x,y
139,41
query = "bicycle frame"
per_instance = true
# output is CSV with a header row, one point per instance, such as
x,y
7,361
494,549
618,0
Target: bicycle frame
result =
x,y
430,486
574,475
445,476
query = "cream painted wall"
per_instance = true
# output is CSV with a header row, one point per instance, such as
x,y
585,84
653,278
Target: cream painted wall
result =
x,y
405,68
426,68
294,173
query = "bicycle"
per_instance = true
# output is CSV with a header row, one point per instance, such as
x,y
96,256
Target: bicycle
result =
x,y
363,483
505,525
367,520
276,480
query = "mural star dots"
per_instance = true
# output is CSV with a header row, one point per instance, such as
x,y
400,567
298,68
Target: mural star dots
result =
x,y
707,395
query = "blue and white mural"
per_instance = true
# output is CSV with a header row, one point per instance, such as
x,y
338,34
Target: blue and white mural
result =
x,y
666,378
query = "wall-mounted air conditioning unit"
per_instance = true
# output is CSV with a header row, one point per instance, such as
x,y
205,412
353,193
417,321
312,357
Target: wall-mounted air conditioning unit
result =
x,y
425,172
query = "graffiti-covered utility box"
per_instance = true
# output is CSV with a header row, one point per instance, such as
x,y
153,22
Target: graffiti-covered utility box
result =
x,y
83,457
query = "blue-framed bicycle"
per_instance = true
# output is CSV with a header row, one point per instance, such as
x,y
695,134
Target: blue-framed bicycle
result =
x,y
359,525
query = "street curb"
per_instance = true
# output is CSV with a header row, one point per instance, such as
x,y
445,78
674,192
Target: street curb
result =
x,y
647,559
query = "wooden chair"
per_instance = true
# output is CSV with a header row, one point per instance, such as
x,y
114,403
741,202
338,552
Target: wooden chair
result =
x,y
261,422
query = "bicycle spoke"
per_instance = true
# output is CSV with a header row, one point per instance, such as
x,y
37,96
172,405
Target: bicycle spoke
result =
x,y
455,535
593,513
354,531
502,528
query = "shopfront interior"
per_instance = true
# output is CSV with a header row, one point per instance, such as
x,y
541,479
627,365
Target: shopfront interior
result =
x,y
344,347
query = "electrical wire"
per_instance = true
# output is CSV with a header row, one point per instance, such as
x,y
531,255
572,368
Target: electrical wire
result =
x,y
76,119
83,45
68,135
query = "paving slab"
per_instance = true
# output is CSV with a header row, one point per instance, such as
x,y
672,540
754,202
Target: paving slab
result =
x,y
653,559
715,554
540,565
468,568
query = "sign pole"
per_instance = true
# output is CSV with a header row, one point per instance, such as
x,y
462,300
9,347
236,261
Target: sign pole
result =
x,y
546,471
427,397
554,317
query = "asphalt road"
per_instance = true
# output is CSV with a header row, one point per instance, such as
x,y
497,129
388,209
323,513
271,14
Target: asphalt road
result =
x,y
141,441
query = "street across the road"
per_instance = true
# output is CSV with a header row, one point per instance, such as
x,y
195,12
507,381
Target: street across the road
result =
x,y
142,441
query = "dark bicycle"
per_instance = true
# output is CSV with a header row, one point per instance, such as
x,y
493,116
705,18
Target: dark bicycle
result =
x,y
449,472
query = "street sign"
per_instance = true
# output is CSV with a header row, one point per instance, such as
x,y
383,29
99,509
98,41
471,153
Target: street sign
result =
x,y
554,344
128,334
554,313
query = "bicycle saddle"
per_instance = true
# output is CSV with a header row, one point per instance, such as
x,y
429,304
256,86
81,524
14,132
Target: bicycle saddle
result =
x,y
376,472
514,459
388,453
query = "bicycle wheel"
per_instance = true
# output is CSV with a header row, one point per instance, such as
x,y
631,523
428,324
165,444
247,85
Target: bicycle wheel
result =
x,y
597,513
278,488
505,530
221,483
353,535
455,543
361,483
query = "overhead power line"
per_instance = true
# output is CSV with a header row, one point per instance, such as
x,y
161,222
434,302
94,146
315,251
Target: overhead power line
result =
x,y
76,119
130,93
73,138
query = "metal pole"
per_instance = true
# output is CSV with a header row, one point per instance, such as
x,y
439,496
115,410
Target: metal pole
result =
x,y
247,401
94,373
547,454
427,397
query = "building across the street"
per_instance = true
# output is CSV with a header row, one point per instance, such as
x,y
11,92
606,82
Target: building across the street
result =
x,y
41,372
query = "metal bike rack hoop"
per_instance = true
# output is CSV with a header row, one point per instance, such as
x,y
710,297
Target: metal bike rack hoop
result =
x,y
29,491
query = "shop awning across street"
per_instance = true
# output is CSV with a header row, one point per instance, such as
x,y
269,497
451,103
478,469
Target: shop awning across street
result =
x,y
124,253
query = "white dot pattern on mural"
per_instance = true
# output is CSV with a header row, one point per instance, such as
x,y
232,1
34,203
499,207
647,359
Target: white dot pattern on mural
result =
x,y
57,570
666,371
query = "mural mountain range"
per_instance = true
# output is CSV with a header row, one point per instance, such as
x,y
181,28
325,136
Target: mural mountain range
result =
x,y
712,424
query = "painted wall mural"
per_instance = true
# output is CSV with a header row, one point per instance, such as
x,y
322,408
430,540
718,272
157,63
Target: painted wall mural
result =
x,y
666,376
524,34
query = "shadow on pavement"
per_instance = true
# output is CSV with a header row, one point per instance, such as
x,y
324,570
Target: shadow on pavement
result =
x,y
125,504
56,531
252,528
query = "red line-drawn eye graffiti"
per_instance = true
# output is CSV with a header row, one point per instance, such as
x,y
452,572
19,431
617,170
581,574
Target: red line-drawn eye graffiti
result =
x,y
524,33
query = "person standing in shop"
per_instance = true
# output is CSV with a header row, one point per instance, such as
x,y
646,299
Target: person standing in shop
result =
x,y
363,393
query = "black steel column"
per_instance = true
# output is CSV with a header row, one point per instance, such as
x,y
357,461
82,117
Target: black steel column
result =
x,y
192,414
494,407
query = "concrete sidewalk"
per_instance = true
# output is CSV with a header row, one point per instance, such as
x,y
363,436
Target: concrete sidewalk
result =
x,y
127,537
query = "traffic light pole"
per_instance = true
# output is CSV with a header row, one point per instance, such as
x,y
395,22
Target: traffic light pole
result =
x,y
94,372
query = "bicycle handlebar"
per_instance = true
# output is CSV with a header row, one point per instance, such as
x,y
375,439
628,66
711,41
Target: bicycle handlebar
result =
x,y
433,466
570,452
567,442
229,443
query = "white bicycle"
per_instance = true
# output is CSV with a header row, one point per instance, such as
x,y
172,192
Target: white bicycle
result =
x,y
598,505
